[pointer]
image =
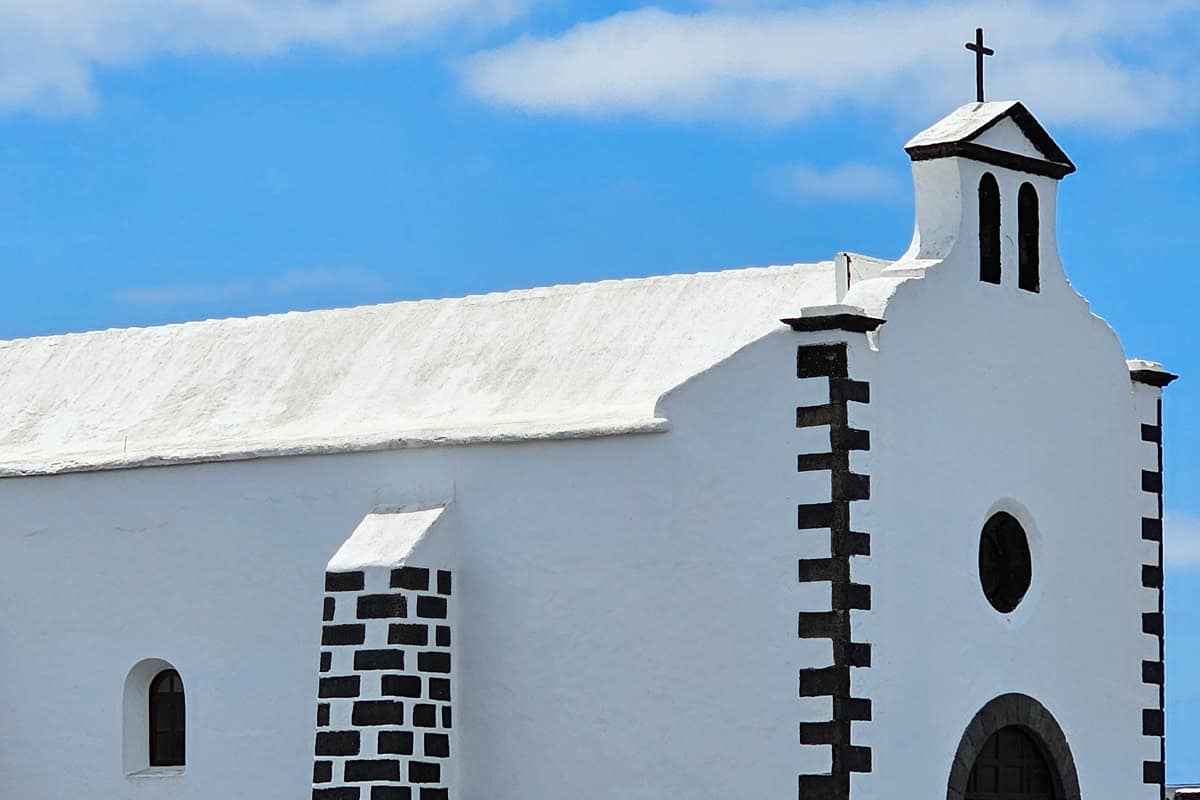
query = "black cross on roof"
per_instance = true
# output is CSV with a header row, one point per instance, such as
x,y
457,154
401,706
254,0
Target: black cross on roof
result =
x,y
980,51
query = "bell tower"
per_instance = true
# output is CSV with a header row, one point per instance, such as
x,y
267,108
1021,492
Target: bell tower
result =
x,y
986,180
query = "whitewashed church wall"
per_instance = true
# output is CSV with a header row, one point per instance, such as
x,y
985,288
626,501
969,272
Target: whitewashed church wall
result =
x,y
626,607
1002,399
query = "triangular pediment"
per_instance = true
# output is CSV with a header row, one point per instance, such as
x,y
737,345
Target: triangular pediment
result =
x,y
1002,133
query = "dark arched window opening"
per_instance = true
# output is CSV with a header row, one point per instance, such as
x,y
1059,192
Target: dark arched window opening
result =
x,y
166,720
989,229
1028,224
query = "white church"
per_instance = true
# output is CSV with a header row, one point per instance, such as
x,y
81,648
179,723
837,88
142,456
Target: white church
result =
x,y
869,529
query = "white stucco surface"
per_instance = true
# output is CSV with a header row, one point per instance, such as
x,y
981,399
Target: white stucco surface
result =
x,y
963,123
562,361
385,538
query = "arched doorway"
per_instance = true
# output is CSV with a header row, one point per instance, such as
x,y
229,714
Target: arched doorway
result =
x,y
1010,766
1013,750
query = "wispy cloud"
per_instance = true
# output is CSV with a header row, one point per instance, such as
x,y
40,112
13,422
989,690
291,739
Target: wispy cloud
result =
x,y
1181,542
847,182
1099,63
50,48
341,280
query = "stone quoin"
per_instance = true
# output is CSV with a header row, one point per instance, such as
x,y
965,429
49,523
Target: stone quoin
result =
x,y
855,529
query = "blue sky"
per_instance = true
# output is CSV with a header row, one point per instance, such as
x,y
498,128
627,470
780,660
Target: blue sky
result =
x,y
171,160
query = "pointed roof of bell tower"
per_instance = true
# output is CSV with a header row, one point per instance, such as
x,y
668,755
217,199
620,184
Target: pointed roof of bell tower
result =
x,y
1002,133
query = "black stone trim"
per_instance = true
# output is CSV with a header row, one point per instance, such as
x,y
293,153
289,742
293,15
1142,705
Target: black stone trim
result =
x,y
831,361
814,462
340,686
1153,672
1032,717
391,793
382,606
1158,378
843,390
408,633
395,743
337,743
365,660
400,686
822,361
815,515
424,772
374,769
429,607
1152,577
846,321
990,155
400,640
849,439
340,793
343,581
415,578
424,715
343,634
436,745
824,787
825,414
377,712
824,569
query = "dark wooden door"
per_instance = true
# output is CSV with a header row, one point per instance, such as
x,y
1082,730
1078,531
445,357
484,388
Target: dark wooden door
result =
x,y
1010,767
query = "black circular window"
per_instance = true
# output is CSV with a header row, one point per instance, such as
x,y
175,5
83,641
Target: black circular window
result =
x,y
1004,564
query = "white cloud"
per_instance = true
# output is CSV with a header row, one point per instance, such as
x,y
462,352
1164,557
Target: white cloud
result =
x,y
845,182
347,279
50,48
1099,63
1181,542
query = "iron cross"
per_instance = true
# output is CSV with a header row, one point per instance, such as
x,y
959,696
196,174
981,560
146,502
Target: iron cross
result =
x,y
980,51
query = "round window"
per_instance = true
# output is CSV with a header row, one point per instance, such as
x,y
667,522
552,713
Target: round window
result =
x,y
1005,569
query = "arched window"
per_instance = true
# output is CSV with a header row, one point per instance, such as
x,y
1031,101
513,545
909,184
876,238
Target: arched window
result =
x,y
166,720
1027,238
989,229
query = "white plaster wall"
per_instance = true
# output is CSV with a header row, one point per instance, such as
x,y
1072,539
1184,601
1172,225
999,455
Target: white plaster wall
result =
x,y
985,398
626,607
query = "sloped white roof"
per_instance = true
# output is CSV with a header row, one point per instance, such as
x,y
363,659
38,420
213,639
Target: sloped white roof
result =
x,y
580,360
962,123
385,538
986,131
